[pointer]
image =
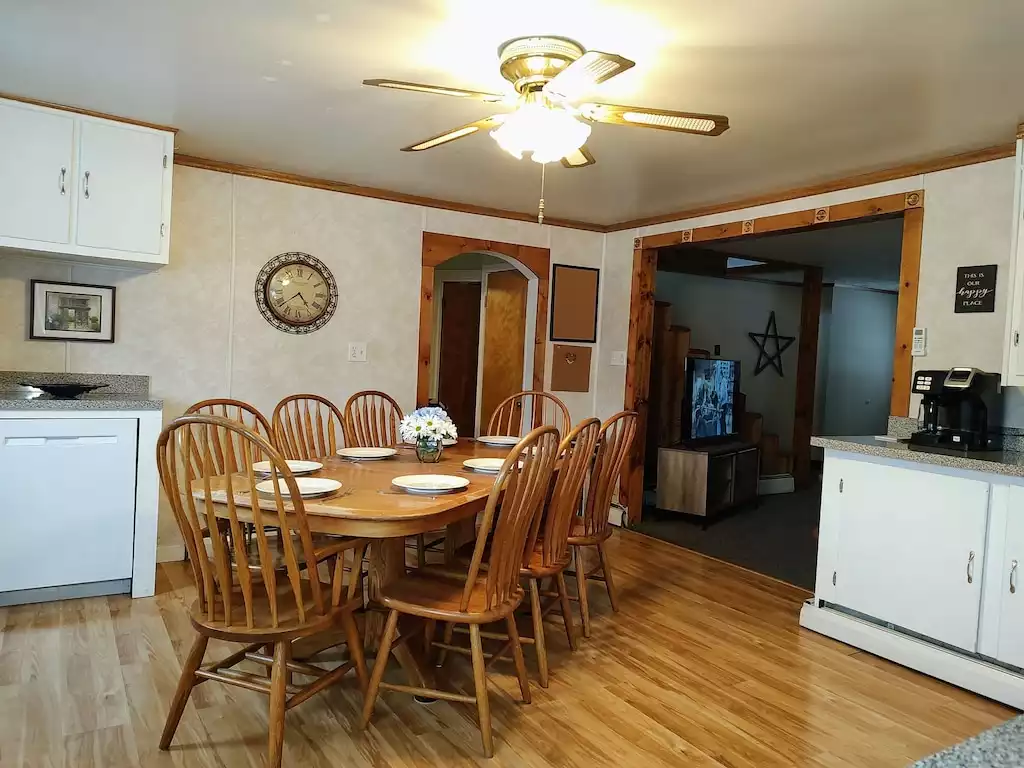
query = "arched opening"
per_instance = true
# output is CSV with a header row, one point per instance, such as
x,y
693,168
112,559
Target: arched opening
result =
x,y
487,298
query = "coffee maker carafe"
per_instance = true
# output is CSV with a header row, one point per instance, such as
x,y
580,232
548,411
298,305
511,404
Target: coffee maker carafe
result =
x,y
959,409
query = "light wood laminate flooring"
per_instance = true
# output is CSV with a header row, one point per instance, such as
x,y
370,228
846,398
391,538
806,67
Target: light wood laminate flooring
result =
x,y
704,666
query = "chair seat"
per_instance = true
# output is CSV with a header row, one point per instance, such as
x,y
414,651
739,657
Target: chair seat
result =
x,y
289,625
535,567
436,593
578,534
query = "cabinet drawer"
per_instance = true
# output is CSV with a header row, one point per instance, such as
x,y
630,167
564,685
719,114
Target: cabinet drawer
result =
x,y
68,501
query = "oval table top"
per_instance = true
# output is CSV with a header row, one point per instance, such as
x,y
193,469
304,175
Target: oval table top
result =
x,y
368,505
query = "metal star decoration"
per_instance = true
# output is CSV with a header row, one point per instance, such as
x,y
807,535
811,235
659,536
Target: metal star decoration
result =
x,y
764,357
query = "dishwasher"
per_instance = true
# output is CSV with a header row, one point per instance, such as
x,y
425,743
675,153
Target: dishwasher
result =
x,y
67,505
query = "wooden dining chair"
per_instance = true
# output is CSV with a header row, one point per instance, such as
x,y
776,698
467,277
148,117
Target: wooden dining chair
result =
x,y
308,427
488,591
524,411
257,606
371,420
235,410
592,529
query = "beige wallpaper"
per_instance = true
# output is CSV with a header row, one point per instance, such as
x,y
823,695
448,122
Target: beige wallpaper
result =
x,y
193,325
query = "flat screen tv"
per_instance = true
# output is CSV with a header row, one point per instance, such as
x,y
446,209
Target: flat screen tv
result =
x,y
710,397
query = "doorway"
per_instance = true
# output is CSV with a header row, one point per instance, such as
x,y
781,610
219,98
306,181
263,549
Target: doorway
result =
x,y
485,318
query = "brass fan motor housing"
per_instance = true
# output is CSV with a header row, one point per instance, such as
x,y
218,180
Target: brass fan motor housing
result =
x,y
530,62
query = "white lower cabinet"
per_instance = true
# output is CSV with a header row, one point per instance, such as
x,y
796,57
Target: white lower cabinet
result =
x,y
908,547
68,491
1003,628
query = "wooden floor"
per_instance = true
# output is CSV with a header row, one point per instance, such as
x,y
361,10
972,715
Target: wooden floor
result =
x,y
704,666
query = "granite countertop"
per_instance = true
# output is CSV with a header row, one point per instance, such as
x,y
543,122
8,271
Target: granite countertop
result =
x,y
29,400
1000,747
994,462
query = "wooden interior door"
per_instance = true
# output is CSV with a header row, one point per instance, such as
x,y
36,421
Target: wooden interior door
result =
x,y
459,353
504,340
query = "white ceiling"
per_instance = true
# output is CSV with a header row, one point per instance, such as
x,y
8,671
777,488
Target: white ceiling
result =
x,y
813,89
864,254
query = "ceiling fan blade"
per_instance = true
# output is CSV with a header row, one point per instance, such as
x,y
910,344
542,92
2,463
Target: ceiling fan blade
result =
x,y
663,119
440,90
456,133
581,158
590,69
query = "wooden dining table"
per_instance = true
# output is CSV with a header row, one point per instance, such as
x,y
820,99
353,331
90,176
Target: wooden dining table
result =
x,y
367,505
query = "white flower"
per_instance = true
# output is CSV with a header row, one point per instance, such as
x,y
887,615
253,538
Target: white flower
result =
x,y
429,423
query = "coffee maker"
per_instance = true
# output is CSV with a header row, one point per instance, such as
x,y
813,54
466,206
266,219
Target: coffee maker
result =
x,y
960,408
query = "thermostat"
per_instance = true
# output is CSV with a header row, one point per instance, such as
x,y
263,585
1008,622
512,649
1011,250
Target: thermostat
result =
x,y
918,346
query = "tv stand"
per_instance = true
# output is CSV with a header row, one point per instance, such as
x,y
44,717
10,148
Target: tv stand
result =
x,y
706,479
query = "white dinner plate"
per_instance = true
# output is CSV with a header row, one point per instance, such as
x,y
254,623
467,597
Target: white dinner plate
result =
x,y
295,465
499,440
308,486
366,454
430,484
490,466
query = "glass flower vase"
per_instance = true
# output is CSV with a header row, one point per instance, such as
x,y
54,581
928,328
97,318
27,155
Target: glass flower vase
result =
x,y
428,450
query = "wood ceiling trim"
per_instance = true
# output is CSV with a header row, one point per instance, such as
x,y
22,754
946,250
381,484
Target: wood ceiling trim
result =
x,y
847,182
89,112
379,194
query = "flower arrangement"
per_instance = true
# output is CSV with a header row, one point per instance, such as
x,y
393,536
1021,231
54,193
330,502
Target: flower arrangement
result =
x,y
427,425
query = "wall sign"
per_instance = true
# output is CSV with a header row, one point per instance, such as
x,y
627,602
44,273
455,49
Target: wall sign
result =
x,y
975,289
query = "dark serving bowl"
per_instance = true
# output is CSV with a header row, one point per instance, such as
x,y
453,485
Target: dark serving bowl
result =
x,y
65,391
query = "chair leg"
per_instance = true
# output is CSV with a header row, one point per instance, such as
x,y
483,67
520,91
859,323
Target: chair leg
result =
x,y
483,705
355,648
517,656
538,634
581,584
429,633
449,628
563,597
383,653
185,684
606,569
278,696
421,550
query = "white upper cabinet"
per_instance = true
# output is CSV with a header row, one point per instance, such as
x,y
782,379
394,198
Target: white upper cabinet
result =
x,y
1013,359
36,186
120,188
84,187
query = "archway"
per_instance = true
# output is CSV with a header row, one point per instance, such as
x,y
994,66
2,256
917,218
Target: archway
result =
x,y
532,261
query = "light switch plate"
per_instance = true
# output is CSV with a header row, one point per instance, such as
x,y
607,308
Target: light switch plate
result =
x,y
357,351
919,345
619,358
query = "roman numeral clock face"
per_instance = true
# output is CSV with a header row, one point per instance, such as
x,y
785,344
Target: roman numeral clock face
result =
x,y
296,293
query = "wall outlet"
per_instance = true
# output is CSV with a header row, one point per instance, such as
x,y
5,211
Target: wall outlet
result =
x,y
619,358
357,351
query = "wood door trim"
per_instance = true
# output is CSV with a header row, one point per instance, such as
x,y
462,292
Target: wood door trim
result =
x,y
806,375
438,248
641,305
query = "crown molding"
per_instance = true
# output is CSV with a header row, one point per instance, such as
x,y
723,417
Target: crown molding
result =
x,y
89,112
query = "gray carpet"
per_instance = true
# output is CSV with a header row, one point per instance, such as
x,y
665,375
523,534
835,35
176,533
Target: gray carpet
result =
x,y
776,539
1000,747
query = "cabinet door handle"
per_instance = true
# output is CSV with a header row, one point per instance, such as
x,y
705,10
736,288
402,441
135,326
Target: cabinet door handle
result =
x,y
86,185
970,568
63,174
1013,577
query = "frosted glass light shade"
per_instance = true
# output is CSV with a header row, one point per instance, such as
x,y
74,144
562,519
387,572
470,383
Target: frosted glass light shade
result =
x,y
548,133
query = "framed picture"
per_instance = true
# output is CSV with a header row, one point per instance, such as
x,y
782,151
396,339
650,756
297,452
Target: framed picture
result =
x,y
71,312
574,303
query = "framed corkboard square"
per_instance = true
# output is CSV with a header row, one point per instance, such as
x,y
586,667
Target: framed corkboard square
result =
x,y
570,368
574,303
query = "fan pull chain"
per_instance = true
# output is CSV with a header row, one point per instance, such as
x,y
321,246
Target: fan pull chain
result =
x,y
540,205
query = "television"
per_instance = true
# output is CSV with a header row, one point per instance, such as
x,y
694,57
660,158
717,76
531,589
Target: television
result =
x,y
709,403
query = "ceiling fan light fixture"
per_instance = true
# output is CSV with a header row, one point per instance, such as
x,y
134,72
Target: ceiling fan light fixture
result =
x,y
549,134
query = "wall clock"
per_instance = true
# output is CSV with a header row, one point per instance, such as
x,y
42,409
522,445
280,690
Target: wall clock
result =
x,y
296,293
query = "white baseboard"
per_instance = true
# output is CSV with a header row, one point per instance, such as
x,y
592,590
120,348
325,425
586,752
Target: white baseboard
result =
x,y
170,553
960,670
772,484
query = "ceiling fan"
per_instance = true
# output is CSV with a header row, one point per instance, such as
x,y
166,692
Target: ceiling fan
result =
x,y
550,74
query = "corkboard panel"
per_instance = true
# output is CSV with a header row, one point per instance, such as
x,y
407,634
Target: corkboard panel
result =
x,y
574,292
570,368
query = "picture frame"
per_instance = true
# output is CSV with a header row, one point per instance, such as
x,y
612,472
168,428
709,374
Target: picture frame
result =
x,y
61,311
574,297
